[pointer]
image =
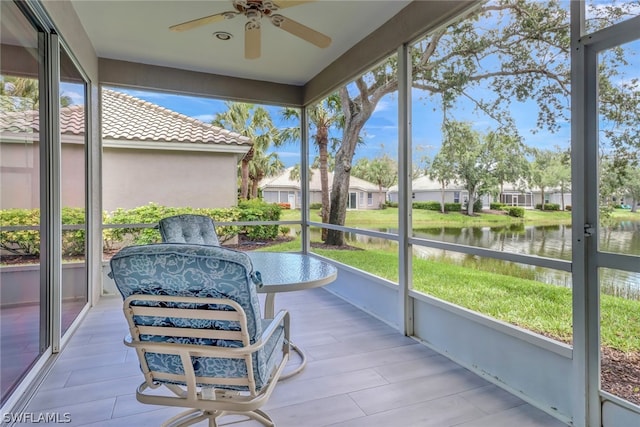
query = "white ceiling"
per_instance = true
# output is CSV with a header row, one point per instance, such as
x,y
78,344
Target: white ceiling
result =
x,y
138,31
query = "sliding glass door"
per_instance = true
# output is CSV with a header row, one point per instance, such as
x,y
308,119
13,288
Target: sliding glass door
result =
x,y
23,336
43,194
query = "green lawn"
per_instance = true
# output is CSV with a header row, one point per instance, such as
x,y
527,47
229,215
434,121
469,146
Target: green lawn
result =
x,y
532,305
386,218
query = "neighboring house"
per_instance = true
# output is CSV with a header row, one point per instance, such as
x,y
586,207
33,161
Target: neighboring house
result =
x,y
513,195
425,189
282,189
150,154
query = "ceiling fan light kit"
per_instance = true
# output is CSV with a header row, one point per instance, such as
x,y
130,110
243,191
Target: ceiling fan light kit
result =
x,y
254,11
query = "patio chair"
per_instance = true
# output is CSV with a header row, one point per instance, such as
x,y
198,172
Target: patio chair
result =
x,y
194,320
189,228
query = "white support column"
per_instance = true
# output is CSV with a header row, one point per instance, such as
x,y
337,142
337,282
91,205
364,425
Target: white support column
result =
x,y
304,180
584,129
405,312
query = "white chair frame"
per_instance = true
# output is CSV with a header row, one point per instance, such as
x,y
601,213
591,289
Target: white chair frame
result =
x,y
205,403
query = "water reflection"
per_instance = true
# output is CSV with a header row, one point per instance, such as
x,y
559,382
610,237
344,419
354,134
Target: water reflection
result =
x,y
552,241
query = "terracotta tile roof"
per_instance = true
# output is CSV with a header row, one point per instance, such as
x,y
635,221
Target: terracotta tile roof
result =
x,y
126,118
283,180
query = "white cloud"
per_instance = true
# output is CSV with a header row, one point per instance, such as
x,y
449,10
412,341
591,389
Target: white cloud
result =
x,y
384,105
206,118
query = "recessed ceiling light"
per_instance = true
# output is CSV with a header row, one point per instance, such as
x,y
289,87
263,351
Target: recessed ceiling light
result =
x,y
222,35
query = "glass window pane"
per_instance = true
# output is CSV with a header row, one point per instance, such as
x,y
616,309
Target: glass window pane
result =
x,y
605,13
354,157
73,188
534,298
620,333
227,160
371,254
619,222
491,134
491,130
20,298
619,148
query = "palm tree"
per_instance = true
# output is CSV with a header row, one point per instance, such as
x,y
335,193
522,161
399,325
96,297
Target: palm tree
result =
x,y
263,166
25,93
253,122
382,171
294,173
323,116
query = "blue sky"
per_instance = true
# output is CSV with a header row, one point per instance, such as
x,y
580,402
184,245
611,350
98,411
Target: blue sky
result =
x,y
380,134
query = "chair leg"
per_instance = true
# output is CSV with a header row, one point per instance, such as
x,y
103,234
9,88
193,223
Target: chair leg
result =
x,y
193,416
261,417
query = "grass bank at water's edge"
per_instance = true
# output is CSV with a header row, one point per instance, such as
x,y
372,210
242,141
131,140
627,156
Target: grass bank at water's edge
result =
x,y
536,306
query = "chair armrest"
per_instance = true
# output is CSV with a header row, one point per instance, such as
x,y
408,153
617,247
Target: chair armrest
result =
x,y
281,317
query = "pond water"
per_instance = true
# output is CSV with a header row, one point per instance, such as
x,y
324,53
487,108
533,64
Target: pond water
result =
x,y
549,241
546,241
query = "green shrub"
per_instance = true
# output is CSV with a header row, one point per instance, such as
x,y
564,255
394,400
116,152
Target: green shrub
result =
x,y
315,206
73,241
21,242
495,206
452,207
27,241
391,204
430,205
152,214
515,211
548,206
257,210
284,230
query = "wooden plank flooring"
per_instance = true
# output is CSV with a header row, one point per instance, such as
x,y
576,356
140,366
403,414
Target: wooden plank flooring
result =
x,y
361,372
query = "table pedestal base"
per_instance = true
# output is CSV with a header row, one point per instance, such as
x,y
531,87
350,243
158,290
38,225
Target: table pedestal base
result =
x,y
300,367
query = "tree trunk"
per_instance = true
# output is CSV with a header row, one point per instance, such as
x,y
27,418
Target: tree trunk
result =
x,y
322,139
442,190
356,113
255,184
244,175
340,188
472,200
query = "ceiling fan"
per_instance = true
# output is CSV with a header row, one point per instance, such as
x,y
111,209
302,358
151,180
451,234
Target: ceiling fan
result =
x,y
255,10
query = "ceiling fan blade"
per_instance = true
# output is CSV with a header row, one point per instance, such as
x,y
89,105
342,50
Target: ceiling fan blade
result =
x,y
300,30
202,21
285,3
252,42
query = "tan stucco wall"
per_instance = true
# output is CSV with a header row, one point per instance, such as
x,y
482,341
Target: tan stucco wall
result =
x,y
135,178
73,176
20,175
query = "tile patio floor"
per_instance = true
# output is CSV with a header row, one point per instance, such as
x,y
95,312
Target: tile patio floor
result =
x,y
361,372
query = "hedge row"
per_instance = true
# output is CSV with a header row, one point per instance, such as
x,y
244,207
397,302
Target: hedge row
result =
x,y
27,242
548,206
436,206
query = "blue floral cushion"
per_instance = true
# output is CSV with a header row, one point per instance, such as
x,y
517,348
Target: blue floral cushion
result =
x,y
196,271
188,228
